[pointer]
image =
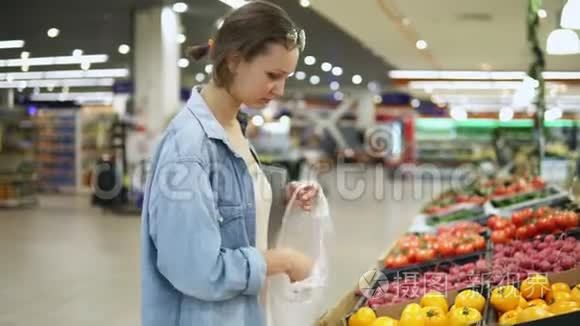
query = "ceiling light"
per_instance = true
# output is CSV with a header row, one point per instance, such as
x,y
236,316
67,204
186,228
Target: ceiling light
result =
x,y
458,113
300,75
124,49
85,66
235,3
305,3
53,32
374,87
415,103
24,55
337,71
51,61
326,67
339,96
542,13
199,77
181,38
485,66
563,42
571,15
258,120
180,7
11,44
183,63
310,60
100,82
77,52
209,68
24,68
357,79
421,45
335,86
378,99
506,114
314,80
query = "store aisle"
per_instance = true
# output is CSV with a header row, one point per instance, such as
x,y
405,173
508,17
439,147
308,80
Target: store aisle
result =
x,y
66,263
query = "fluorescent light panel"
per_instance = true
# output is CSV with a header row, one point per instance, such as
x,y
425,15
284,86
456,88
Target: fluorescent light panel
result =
x,y
234,3
58,74
14,44
53,61
477,75
97,82
77,97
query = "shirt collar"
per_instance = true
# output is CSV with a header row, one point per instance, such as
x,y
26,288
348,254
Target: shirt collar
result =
x,y
212,128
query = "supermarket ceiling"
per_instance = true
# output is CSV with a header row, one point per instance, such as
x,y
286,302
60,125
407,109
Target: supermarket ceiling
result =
x,y
99,27
460,34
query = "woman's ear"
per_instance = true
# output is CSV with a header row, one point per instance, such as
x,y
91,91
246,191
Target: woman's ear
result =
x,y
233,61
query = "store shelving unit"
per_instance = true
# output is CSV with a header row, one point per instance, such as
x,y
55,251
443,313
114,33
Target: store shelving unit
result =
x,y
18,178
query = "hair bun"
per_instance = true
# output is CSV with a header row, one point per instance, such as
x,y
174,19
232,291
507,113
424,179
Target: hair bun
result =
x,y
197,52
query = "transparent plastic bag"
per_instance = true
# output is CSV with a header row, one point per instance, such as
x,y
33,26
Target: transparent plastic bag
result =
x,y
301,303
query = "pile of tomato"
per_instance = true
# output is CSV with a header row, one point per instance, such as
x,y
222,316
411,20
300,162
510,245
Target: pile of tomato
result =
x,y
515,185
527,223
416,249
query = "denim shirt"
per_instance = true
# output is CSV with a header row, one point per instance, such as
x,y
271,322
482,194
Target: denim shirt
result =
x,y
199,261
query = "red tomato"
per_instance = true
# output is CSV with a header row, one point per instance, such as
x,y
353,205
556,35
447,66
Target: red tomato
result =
x,y
396,261
547,224
462,198
479,243
446,248
500,191
499,236
492,222
540,212
533,230
411,254
537,182
519,218
464,249
510,231
522,232
424,255
568,220
502,224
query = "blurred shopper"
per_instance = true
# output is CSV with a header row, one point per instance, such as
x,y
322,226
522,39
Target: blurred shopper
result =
x,y
205,256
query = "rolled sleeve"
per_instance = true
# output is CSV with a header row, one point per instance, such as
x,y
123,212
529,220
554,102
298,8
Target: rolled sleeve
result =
x,y
256,270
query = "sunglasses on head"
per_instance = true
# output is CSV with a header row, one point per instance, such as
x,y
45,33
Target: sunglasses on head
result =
x,y
297,37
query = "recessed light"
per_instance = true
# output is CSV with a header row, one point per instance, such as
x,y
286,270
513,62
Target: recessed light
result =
x,y
337,71
542,13
77,53
209,68
300,75
53,32
181,38
183,63
421,44
199,77
124,49
180,7
357,79
310,60
85,66
24,55
326,67
305,3
314,80
335,86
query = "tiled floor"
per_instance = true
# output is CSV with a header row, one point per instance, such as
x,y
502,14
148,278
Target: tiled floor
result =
x,y
66,263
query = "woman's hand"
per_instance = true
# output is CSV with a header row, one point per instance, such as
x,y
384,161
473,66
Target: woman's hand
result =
x,y
290,262
306,195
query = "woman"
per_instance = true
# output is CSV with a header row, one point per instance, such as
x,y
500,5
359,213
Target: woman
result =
x,y
205,215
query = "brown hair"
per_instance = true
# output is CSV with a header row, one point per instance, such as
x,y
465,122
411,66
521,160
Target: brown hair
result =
x,y
248,31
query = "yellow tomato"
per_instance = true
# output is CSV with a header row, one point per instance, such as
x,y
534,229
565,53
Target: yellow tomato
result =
x,y
435,299
385,321
523,303
537,303
434,316
509,318
563,307
575,293
535,287
464,316
470,298
412,315
365,316
560,286
533,313
505,298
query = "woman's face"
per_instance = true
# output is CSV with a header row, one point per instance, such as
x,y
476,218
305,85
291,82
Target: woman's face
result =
x,y
263,79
